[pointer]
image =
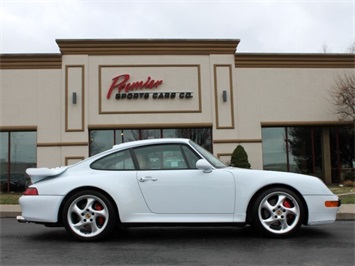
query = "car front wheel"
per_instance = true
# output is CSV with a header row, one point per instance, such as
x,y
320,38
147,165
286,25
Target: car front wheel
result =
x,y
89,215
278,212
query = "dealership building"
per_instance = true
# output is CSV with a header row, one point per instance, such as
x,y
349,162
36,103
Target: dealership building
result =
x,y
57,109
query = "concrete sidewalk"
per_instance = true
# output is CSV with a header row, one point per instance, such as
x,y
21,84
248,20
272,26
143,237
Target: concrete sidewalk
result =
x,y
346,211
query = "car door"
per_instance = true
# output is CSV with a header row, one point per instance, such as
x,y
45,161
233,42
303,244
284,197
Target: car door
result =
x,y
171,184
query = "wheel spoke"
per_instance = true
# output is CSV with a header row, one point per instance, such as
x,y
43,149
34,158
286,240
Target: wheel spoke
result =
x,y
279,212
293,211
89,204
76,210
266,205
280,200
87,216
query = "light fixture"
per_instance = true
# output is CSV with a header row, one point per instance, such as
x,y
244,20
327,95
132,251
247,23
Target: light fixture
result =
x,y
224,96
74,98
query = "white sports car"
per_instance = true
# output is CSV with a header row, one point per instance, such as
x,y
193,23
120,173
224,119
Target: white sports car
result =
x,y
169,182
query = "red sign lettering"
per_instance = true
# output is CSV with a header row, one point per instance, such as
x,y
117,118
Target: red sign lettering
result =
x,y
121,84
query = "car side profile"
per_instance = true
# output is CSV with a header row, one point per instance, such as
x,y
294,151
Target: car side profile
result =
x,y
169,182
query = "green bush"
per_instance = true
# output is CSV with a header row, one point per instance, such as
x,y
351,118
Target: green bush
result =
x,y
240,158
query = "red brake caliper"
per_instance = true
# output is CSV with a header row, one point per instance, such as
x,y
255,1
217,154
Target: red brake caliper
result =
x,y
287,204
99,207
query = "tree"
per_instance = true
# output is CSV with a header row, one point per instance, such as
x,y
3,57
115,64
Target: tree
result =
x,y
240,158
343,97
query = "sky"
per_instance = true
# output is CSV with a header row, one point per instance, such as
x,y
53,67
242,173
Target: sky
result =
x,y
283,26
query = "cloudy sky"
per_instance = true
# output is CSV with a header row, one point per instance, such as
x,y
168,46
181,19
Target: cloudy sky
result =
x,y
280,26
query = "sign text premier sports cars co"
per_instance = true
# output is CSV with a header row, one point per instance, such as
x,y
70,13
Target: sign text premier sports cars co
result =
x,y
125,89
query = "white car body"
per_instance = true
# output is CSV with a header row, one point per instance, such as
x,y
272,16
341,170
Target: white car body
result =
x,y
202,194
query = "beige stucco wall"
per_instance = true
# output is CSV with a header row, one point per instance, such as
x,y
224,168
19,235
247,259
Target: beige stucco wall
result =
x,y
282,96
42,99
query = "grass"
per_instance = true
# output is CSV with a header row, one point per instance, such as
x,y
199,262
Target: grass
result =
x,y
12,198
345,199
9,198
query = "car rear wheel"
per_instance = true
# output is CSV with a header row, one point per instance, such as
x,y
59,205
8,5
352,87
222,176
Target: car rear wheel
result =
x,y
278,212
89,215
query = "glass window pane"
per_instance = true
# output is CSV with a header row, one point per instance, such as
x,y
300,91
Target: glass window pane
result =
x,y
202,136
101,140
160,157
191,157
172,133
274,149
117,161
342,153
304,150
4,159
126,135
150,134
23,154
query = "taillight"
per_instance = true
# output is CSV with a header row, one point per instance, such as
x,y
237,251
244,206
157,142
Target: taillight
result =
x,y
31,191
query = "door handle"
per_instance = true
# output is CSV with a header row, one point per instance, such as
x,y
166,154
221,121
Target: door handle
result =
x,y
147,178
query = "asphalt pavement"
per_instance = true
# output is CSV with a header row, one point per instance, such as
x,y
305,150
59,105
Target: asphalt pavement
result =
x,y
346,211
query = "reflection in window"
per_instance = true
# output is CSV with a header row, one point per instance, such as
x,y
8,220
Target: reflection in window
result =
x,y
274,149
305,150
18,151
126,135
101,140
342,140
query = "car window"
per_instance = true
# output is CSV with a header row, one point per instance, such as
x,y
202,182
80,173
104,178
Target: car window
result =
x,y
208,156
191,157
121,160
167,157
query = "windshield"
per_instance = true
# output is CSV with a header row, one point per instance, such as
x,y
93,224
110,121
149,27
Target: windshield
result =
x,y
208,156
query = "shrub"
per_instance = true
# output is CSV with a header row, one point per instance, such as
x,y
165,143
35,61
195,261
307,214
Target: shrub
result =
x,y
240,158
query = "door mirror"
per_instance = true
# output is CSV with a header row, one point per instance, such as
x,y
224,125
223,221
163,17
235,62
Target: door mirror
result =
x,y
204,165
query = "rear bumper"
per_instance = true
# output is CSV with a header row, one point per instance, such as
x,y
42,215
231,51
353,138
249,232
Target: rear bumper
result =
x,y
40,209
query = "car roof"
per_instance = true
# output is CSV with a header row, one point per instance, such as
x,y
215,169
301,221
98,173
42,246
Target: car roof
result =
x,y
149,142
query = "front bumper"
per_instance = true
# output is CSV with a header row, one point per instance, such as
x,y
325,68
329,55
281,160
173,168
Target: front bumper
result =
x,y
318,212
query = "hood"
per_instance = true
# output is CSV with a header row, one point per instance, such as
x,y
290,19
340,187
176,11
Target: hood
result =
x,y
37,174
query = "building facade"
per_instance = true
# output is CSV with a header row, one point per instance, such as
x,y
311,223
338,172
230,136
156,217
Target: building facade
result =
x,y
57,109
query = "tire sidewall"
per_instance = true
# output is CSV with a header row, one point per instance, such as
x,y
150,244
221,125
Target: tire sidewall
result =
x,y
112,216
255,212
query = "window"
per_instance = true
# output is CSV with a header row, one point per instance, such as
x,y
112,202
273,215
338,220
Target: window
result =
x,y
165,157
18,151
117,161
306,150
101,140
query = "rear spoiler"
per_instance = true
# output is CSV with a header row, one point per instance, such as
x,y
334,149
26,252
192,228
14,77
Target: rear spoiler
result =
x,y
37,174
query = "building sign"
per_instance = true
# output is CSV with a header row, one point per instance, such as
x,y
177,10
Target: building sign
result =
x,y
167,88
123,84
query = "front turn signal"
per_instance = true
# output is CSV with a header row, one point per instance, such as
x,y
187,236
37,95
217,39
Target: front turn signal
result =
x,y
332,203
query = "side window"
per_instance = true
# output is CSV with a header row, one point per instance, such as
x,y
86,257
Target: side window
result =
x,y
121,160
191,157
161,157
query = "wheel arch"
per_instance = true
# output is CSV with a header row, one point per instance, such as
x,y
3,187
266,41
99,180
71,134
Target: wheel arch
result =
x,y
261,190
76,190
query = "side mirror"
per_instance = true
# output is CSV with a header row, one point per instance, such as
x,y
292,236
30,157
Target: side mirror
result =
x,y
204,165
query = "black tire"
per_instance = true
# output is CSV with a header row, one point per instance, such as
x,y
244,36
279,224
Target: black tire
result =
x,y
89,215
277,212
